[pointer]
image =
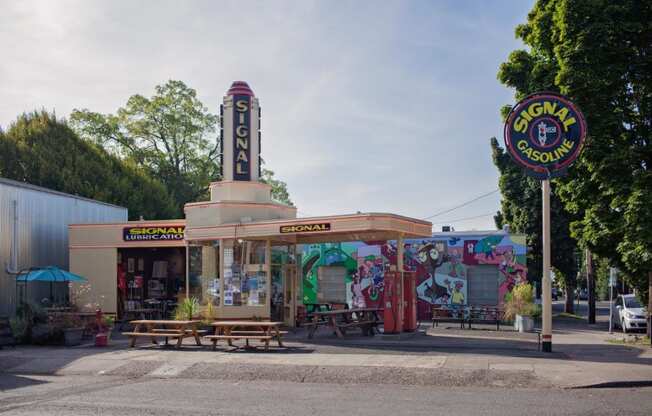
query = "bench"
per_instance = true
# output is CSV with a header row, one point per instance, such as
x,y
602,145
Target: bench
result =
x,y
152,335
273,334
188,331
229,338
485,315
442,313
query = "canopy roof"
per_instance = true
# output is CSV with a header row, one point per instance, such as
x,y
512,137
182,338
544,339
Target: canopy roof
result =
x,y
309,230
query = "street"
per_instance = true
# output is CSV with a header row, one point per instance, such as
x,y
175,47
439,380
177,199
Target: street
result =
x,y
151,396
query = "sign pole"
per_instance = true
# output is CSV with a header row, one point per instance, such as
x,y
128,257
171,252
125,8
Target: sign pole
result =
x,y
545,281
544,134
612,280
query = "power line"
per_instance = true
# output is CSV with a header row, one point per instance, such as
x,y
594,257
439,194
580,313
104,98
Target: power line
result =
x,y
465,219
462,205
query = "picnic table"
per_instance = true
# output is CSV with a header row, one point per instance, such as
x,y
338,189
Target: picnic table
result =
x,y
367,319
263,331
164,329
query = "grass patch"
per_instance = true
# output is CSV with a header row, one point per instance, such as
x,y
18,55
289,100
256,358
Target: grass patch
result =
x,y
630,340
568,315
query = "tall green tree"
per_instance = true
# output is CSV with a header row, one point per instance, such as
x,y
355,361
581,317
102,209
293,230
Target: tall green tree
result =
x,y
520,208
41,150
279,188
599,53
171,134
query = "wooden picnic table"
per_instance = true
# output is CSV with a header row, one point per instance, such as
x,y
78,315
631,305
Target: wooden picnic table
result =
x,y
263,331
367,319
156,328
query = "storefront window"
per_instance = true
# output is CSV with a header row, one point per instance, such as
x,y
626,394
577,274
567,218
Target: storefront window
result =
x,y
204,283
245,283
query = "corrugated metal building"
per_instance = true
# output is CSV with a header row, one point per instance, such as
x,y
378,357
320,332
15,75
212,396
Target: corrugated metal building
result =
x,y
34,232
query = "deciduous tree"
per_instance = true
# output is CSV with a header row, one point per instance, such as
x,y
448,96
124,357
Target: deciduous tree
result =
x,y
41,150
599,53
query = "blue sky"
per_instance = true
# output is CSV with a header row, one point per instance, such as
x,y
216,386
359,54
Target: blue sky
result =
x,y
367,106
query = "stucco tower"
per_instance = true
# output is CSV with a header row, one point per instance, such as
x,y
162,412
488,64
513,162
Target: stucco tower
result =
x,y
239,197
240,134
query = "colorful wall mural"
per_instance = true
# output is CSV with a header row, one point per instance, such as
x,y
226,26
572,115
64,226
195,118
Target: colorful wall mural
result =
x,y
442,264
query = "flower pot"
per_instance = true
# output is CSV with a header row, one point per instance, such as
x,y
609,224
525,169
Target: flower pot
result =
x,y
72,336
523,323
40,333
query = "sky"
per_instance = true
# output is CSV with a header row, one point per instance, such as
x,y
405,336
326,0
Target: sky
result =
x,y
367,106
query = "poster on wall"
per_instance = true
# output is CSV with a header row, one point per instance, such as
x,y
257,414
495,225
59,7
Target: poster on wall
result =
x,y
228,297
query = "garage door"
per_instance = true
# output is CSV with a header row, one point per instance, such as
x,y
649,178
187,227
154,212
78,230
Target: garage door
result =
x,y
483,285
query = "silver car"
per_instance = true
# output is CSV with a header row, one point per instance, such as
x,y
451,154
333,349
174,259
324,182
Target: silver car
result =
x,y
629,313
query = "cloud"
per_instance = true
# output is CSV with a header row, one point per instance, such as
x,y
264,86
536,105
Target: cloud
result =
x,y
371,106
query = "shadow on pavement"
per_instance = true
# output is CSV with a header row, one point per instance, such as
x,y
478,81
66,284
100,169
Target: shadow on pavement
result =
x,y
11,382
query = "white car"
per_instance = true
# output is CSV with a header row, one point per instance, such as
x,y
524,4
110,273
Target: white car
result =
x,y
629,313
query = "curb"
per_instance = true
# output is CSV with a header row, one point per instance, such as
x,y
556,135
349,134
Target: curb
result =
x,y
615,385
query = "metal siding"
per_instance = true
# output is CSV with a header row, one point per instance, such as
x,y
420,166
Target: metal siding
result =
x,y
42,231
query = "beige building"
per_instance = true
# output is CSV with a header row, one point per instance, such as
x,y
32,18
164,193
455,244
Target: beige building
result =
x,y
228,250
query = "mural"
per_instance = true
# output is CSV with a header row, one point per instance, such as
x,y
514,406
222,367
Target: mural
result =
x,y
441,264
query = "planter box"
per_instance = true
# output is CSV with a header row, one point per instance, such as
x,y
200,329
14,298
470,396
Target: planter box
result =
x,y
72,336
523,323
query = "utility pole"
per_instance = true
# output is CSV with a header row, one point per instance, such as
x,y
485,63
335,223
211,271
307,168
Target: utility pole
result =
x,y
590,286
612,286
649,306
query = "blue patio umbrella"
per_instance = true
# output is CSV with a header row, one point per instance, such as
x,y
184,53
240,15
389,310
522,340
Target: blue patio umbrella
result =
x,y
50,274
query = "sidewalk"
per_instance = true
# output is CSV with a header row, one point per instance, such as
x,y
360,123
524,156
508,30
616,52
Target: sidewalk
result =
x,y
581,358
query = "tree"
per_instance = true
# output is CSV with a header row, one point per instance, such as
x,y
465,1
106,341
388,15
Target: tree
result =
x,y
521,210
279,188
41,150
599,53
171,134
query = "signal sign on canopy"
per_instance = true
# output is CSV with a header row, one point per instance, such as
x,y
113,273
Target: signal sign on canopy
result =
x,y
544,134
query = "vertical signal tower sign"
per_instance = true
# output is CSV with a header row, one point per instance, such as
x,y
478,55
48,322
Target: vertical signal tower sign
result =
x,y
544,134
240,134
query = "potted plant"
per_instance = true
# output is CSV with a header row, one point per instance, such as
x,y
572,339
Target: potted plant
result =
x,y
35,320
187,310
105,324
520,307
207,315
69,328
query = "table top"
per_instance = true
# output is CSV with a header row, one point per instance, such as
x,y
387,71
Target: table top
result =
x,y
164,322
346,311
246,323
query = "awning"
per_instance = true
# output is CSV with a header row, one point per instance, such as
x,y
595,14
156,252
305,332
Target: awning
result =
x,y
355,227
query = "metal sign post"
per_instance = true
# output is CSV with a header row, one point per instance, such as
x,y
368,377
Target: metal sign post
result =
x,y
546,324
544,134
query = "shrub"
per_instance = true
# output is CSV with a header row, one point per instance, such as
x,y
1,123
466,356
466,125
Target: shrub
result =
x,y
520,301
187,309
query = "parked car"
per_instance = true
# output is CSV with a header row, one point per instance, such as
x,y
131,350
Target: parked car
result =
x,y
581,294
628,313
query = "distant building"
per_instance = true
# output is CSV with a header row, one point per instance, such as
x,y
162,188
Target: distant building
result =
x,y
34,232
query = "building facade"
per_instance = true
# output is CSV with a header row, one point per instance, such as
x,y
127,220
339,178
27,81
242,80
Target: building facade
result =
x,y
34,232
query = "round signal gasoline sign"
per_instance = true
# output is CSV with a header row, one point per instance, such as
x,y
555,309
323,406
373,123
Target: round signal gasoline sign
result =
x,y
544,134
